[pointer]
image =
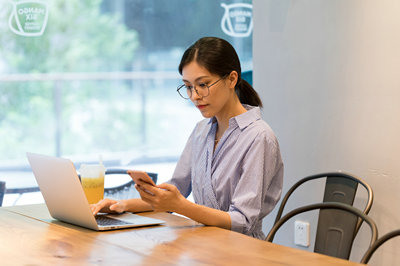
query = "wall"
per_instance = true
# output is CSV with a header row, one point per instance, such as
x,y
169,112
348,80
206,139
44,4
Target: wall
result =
x,y
328,73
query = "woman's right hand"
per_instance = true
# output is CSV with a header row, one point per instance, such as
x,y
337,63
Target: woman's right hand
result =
x,y
108,206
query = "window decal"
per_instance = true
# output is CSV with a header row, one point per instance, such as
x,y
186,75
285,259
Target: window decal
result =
x,y
237,20
29,17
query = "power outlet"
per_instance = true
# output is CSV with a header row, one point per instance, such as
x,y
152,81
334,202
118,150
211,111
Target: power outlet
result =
x,y
302,233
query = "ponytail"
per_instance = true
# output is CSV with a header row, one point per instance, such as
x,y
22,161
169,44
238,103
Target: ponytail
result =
x,y
247,94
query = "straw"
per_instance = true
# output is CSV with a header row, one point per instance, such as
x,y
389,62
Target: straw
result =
x,y
101,159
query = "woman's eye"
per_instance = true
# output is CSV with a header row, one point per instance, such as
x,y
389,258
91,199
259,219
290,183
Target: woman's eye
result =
x,y
188,87
202,85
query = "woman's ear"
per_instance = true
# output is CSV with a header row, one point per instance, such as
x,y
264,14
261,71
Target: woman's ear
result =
x,y
233,79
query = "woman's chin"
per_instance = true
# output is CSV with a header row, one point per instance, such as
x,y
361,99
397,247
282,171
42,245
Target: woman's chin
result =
x,y
206,114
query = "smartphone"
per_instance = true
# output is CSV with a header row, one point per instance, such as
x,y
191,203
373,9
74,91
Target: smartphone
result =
x,y
141,176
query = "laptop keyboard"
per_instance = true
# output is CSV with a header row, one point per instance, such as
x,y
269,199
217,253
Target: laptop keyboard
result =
x,y
107,221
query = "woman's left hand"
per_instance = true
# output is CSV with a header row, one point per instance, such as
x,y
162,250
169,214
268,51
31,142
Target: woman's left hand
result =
x,y
164,197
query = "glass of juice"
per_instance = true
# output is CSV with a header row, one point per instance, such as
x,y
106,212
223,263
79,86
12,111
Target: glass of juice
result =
x,y
92,179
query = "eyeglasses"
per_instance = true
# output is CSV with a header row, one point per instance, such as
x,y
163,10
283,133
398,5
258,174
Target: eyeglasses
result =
x,y
203,90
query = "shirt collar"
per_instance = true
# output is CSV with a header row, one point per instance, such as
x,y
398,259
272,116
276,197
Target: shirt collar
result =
x,y
243,120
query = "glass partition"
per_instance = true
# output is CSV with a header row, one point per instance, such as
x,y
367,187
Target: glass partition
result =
x,y
83,78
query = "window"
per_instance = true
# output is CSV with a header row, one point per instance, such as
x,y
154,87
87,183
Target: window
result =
x,y
80,78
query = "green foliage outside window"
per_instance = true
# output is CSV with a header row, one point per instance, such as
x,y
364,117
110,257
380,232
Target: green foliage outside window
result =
x,y
78,38
79,116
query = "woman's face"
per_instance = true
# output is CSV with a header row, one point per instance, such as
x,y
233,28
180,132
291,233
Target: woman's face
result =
x,y
220,93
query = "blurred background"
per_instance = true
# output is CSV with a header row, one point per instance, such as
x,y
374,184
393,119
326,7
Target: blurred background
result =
x,y
101,80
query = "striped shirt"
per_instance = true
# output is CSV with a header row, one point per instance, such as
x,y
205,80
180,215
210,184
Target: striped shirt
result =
x,y
243,176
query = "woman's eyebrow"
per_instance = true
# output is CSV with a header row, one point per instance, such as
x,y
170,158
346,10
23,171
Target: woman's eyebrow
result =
x,y
197,79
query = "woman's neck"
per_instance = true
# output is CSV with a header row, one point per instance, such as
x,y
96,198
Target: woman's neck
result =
x,y
225,115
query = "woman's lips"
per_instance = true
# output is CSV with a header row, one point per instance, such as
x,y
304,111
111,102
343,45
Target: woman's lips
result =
x,y
201,106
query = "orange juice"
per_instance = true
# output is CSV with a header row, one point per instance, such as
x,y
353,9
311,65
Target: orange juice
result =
x,y
92,179
93,188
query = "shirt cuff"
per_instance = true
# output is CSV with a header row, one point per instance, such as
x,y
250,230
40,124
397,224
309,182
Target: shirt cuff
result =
x,y
237,221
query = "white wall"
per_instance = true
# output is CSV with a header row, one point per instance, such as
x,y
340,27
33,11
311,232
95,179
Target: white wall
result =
x,y
328,72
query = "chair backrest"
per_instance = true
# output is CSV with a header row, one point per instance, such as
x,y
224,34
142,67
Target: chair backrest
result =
x,y
367,256
339,187
123,191
332,248
20,191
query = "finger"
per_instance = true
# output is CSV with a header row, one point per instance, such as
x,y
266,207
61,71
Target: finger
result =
x,y
140,182
144,196
166,186
96,208
149,188
143,193
102,205
117,207
142,188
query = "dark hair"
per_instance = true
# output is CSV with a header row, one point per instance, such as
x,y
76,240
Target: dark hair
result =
x,y
219,57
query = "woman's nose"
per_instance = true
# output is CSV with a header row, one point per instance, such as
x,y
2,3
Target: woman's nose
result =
x,y
195,96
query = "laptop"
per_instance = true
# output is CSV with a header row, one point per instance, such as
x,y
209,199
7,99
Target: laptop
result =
x,y
62,191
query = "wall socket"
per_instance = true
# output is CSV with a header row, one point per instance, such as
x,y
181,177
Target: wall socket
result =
x,y
302,233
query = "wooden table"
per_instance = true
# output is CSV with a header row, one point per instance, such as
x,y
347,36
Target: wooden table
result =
x,y
28,235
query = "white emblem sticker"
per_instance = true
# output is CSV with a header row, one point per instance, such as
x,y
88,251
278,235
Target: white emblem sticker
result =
x,y
237,20
29,17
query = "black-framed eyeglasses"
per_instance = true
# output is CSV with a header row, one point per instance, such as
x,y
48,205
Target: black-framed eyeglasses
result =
x,y
202,89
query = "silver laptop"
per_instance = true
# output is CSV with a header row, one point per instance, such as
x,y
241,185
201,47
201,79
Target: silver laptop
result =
x,y
66,201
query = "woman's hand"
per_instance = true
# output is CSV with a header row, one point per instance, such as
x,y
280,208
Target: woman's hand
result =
x,y
164,197
109,206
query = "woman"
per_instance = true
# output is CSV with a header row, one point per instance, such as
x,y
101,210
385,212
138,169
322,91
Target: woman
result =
x,y
231,162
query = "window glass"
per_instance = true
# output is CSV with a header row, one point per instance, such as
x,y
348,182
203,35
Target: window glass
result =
x,y
83,78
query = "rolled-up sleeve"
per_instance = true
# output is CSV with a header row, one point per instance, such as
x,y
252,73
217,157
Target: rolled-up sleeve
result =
x,y
259,186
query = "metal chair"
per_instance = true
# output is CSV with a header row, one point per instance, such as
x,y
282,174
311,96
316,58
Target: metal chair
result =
x,y
335,229
126,190
339,187
367,256
20,191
